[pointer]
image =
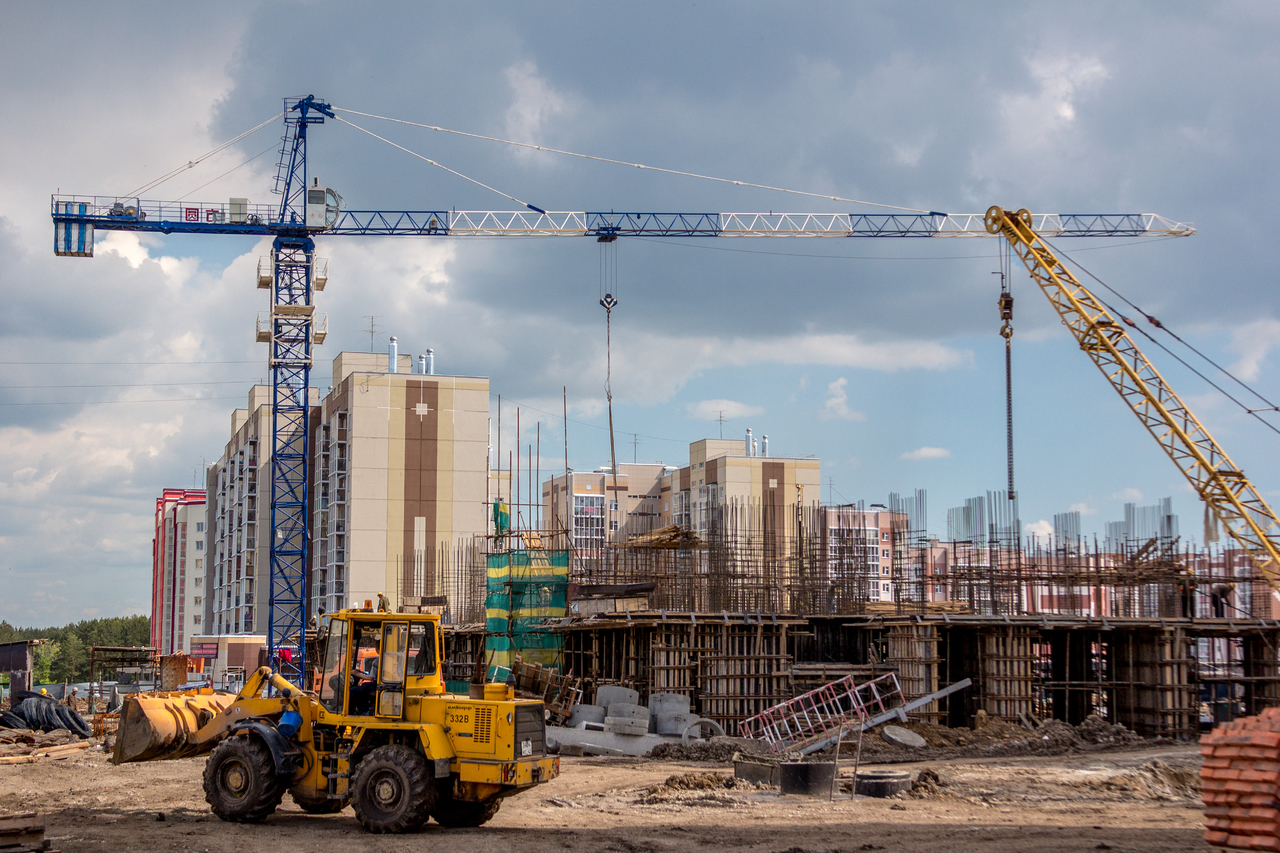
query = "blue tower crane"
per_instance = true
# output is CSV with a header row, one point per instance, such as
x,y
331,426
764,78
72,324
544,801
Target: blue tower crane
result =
x,y
305,210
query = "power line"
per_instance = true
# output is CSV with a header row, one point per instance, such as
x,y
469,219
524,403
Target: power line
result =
x,y
115,402
131,385
126,363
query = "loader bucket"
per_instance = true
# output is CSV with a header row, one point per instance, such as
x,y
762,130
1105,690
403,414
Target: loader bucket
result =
x,y
159,725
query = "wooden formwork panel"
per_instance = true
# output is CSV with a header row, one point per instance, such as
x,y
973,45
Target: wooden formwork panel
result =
x,y
1006,671
1150,685
913,652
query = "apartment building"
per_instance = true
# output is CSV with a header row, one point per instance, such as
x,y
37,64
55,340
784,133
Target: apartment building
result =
x,y
725,473
722,475
239,516
596,506
400,480
178,570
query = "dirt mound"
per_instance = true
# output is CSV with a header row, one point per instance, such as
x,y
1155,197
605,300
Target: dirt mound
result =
x,y
1096,730
928,783
696,789
1154,780
718,749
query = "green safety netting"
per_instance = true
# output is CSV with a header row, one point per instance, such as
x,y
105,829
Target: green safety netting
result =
x,y
523,589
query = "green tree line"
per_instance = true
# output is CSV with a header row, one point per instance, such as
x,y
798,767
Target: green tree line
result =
x,y
66,656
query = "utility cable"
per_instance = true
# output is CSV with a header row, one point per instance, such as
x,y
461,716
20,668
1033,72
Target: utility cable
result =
x,y
127,385
1270,406
191,164
114,402
634,165
125,363
439,166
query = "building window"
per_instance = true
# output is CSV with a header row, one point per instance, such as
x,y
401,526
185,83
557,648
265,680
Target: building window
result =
x,y
196,620
613,525
884,536
199,527
199,544
200,563
885,587
884,553
613,505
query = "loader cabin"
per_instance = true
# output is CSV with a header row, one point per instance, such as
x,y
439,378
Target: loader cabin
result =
x,y
372,663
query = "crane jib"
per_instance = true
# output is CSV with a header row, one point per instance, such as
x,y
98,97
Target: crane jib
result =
x,y
77,217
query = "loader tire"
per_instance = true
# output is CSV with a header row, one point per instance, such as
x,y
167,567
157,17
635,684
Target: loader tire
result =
x,y
325,806
391,790
455,814
240,781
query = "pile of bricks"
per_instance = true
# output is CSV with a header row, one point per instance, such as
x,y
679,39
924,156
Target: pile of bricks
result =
x,y
1241,781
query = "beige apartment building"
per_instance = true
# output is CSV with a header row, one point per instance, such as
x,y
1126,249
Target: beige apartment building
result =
x,y
722,476
401,480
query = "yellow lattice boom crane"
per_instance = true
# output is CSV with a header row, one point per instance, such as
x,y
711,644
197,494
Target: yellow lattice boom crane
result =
x,y
1218,481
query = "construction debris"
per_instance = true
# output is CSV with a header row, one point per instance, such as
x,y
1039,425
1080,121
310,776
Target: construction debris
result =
x,y
24,746
23,833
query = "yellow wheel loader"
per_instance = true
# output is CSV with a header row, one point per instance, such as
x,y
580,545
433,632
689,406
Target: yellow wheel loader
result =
x,y
380,733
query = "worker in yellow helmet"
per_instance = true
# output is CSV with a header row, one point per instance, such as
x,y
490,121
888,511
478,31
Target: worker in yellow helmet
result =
x,y
384,604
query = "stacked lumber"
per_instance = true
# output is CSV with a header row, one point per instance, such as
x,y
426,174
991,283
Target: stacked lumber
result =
x,y
23,833
21,746
1240,773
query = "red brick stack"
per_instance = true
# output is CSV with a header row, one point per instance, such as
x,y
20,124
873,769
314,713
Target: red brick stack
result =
x,y
1241,780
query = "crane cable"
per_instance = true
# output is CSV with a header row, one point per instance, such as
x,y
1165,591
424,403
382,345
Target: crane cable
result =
x,y
634,165
191,164
1006,331
1155,322
439,166
609,284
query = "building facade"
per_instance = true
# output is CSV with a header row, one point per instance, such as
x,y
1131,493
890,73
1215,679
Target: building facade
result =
x,y
400,481
178,570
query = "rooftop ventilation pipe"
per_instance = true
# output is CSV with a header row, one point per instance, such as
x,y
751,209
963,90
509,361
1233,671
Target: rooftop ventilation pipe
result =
x,y
392,357
764,445
430,369
749,441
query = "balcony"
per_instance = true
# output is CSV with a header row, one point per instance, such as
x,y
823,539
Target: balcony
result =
x,y
339,556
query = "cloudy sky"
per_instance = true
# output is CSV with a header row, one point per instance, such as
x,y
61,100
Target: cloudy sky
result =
x,y
881,357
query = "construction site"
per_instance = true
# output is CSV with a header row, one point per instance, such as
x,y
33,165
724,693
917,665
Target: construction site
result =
x,y
647,657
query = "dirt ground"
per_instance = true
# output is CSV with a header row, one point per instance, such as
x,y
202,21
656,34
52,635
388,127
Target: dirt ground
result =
x,y
1131,800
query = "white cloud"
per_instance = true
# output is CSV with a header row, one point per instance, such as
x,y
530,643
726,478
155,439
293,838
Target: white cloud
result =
x,y
1253,341
533,103
837,405
1129,495
710,410
1041,528
1060,81
926,453
1084,508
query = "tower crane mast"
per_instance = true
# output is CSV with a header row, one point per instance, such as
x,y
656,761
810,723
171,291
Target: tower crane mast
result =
x,y
295,274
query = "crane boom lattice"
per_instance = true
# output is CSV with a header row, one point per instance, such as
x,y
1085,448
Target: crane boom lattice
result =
x,y
1218,481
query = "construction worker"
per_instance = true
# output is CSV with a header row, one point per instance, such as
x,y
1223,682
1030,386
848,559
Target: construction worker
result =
x,y
384,604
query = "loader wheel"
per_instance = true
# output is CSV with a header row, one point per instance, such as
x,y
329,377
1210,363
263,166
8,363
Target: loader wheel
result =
x,y
455,814
320,806
240,781
392,791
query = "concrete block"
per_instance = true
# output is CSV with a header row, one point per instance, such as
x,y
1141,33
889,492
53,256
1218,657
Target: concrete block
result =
x,y
608,694
669,703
